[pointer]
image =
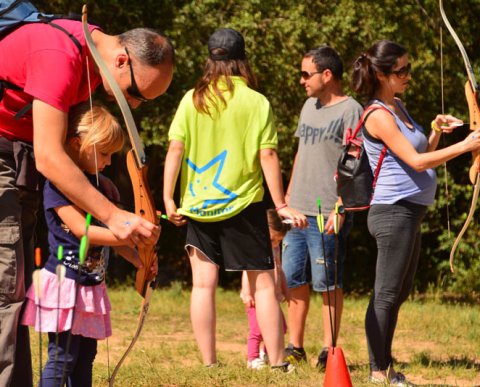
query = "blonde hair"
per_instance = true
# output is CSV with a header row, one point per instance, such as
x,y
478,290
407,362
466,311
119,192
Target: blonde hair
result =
x,y
96,126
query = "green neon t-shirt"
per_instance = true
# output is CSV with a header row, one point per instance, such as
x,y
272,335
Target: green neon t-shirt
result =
x,y
221,173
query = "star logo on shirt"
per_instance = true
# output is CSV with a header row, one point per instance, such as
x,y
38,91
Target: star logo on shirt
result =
x,y
198,183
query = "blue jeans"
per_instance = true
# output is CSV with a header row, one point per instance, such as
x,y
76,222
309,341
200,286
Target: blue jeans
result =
x,y
79,359
302,250
396,229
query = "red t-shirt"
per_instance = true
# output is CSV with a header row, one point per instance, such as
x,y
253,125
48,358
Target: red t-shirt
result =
x,y
46,63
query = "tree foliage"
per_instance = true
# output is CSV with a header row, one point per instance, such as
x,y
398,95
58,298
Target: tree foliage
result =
x,y
277,34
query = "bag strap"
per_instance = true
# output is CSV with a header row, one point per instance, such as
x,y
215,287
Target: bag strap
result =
x,y
363,118
72,38
383,152
379,165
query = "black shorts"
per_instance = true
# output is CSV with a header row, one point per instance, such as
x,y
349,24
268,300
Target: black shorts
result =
x,y
242,241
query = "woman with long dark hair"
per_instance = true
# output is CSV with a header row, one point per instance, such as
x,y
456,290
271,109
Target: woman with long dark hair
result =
x,y
405,187
222,138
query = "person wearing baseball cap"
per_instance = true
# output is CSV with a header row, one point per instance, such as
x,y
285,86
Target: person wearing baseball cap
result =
x,y
221,140
226,44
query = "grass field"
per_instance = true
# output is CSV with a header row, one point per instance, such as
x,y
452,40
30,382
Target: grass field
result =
x,y
435,345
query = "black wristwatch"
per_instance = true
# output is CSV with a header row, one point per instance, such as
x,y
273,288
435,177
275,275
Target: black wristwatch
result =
x,y
341,210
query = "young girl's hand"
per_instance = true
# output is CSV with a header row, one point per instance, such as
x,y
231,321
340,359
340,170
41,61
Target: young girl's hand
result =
x,y
247,299
173,216
246,293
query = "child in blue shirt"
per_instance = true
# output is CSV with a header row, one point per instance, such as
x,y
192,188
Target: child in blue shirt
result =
x,y
77,308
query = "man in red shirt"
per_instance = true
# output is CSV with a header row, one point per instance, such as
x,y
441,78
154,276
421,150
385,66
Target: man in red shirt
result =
x,y
55,74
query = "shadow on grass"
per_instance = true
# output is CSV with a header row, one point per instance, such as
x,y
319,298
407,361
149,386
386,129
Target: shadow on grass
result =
x,y
424,359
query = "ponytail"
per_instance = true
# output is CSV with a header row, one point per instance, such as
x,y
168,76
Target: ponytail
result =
x,y
364,79
381,57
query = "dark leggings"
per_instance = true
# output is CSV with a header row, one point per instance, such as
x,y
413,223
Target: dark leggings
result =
x,y
396,229
80,357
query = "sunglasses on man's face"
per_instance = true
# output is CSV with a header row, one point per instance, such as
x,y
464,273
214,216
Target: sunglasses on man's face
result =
x,y
132,90
307,74
403,72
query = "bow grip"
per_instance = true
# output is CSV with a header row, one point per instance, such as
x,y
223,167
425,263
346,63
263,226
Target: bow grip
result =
x,y
144,207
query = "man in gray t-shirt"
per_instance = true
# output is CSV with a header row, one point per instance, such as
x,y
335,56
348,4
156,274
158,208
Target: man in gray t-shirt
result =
x,y
325,117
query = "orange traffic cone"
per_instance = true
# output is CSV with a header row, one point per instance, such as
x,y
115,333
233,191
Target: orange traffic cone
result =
x,y
337,374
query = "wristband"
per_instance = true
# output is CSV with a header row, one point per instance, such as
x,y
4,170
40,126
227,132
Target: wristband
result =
x,y
281,206
435,127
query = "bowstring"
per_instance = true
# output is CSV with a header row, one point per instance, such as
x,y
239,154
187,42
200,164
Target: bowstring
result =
x,y
91,116
90,99
445,172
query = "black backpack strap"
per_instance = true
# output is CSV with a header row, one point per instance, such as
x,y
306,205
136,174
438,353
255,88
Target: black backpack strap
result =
x,y
9,85
23,111
72,38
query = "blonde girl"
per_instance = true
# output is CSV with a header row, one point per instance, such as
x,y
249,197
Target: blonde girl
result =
x,y
75,311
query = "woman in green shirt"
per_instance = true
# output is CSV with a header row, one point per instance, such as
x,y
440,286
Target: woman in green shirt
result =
x,y
221,140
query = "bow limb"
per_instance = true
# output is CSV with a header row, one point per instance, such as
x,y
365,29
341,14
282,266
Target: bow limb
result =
x,y
465,225
141,320
144,204
136,162
471,93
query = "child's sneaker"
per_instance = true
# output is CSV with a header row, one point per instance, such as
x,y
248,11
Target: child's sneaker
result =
x,y
256,364
295,355
284,367
264,356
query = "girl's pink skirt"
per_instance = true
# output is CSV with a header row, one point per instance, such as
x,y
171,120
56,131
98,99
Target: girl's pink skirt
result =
x,y
91,317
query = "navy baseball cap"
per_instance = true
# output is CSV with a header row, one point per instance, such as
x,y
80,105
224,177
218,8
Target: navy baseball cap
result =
x,y
229,41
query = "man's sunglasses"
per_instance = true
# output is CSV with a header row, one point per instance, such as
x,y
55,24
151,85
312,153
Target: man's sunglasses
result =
x,y
308,74
403,72
132,90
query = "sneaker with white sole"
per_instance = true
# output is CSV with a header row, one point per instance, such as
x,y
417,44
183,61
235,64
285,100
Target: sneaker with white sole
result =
x,y
264,356
398,380
256,364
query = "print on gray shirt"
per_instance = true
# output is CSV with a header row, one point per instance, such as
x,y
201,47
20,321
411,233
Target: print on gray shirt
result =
x,y
334,131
